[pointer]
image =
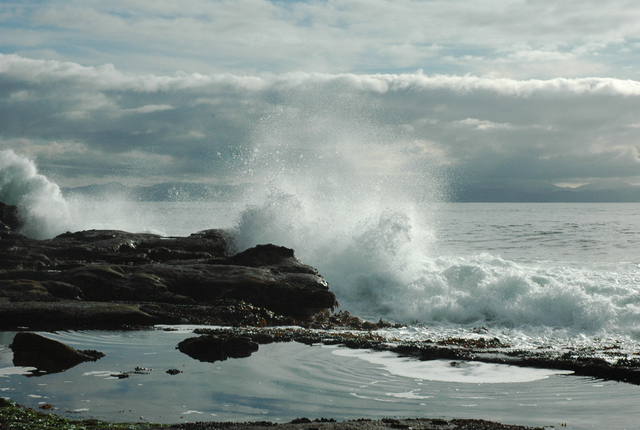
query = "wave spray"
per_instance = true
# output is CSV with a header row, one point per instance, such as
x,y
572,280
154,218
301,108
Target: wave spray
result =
x,y
358,198
41,207
341,186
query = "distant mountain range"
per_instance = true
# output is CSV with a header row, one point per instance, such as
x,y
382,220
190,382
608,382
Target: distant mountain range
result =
x,y
165,192
490,191
609,191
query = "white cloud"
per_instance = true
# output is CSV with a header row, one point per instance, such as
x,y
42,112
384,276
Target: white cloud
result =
x,y
479,124
336,36
149,109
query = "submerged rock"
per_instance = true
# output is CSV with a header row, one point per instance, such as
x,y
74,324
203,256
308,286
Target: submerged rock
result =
x,y
47,355
215,347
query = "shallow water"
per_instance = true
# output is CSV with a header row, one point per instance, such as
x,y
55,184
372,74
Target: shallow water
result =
x,y
285,381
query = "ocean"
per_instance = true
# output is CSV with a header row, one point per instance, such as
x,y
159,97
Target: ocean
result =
x,y
561,277
534,273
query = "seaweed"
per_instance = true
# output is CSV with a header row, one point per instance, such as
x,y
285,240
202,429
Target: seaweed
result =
x,y
16,417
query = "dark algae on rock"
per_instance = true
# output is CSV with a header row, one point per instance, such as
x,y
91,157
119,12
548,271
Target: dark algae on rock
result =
x,y
16,417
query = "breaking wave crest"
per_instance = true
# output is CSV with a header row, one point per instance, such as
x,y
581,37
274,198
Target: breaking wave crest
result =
x,y
42,209
386,264
367,225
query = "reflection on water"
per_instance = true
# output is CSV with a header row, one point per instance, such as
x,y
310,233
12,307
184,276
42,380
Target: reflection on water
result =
x,y
285,381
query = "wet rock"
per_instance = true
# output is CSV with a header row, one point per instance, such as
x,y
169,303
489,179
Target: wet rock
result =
x,y
74,314
111,265
50,356
120,283
30,290
24,290
226,312
271,256
9,218
63,290
211,348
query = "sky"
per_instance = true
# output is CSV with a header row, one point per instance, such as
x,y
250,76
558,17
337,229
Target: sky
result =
x,y
148,91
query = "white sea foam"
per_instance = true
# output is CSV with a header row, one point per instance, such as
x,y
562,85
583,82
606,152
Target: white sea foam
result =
x,y
371,230
383,262
411,395
486,289
448,370
16,370
331,181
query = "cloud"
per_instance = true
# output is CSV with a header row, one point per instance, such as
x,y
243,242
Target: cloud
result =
x,y
149,109
481,124
335,36
90,124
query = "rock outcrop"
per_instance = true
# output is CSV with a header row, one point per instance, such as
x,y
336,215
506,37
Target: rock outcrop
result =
x,y
116,266
48,355
9,219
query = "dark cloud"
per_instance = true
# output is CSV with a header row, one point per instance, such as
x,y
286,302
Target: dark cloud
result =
x,y
94,124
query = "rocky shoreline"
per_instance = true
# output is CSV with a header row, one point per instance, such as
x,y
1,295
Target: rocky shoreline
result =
x,y
107,279
146,279
16,417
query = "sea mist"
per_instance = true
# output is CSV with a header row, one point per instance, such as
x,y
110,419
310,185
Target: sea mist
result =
x,y
347,188
41,207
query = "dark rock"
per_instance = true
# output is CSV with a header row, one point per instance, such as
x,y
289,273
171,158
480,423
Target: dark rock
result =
x,y
32,290
63,290
262,255
272,256
9,218
213,348
73,314
295,294
116,266
24,290
164,254
33,350
120,283
227,312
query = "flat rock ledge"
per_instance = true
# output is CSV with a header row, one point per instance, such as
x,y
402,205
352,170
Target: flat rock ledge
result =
x,y
609,364
111,279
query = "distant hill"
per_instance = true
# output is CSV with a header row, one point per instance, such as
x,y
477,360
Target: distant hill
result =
x,y
489,191
165,192
609,191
